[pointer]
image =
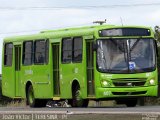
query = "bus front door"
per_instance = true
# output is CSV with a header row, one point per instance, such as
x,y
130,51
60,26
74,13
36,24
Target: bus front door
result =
x,y
17,69
55,59
90,69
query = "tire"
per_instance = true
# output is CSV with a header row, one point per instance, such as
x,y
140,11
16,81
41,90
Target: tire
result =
x,y
77,100
32,102
131,103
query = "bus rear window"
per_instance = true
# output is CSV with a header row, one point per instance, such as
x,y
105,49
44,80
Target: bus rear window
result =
x,y
125,32
8,52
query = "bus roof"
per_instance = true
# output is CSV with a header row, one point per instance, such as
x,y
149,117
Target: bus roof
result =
x,y
67,32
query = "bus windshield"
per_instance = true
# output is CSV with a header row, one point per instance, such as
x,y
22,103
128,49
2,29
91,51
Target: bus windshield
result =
x,y
126,55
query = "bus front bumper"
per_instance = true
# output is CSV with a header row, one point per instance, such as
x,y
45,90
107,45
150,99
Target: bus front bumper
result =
x,y
126,92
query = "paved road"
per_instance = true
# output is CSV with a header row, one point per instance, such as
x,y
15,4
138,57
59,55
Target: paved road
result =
x,y
107,113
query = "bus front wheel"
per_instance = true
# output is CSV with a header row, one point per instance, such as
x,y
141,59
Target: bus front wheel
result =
x,y
77,100
131,103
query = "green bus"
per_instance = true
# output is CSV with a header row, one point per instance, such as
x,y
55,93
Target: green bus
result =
x,y
102,62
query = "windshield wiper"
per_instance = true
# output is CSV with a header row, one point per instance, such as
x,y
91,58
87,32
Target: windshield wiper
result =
x,y
134,45
122,49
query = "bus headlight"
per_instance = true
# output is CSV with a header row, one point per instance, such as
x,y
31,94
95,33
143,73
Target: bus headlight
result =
x,y
152,82
105,83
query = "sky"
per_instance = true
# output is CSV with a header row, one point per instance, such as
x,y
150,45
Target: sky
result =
x,y
21,17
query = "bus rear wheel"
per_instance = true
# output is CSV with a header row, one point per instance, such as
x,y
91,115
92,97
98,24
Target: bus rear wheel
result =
x,y
77,100
32,101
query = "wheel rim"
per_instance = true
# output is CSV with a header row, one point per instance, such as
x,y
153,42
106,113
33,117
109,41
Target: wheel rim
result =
x,y
78,98
31,97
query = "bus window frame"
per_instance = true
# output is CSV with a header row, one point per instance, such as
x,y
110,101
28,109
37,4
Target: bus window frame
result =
x,y
32,53
47,51
6,65
62,51
72,50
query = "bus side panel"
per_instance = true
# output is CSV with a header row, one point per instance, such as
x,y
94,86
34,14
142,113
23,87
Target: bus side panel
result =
x,y
26,76
42,81
73,71
8,83
68,74
8,80
65,80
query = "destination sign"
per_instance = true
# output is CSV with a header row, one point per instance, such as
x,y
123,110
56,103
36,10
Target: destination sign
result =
x,y
124,32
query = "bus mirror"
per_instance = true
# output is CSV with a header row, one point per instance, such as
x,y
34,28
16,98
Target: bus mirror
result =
x,y
157,32
156,48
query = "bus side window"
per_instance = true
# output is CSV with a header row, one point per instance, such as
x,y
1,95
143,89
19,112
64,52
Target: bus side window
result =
x,y
39,57
77,49
66,50
8,53
27,52
47,51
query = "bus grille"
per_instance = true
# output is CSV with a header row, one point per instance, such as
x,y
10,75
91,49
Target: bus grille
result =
x,y
129,93
129,82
